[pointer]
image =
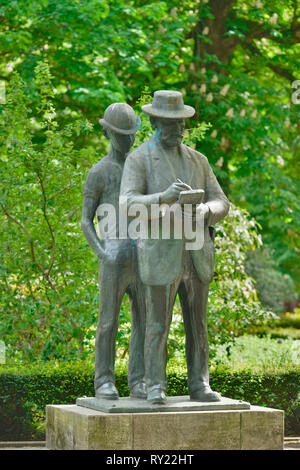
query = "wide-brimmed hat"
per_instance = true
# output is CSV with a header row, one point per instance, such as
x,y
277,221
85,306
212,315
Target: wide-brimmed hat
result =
x,y
120,118
168,104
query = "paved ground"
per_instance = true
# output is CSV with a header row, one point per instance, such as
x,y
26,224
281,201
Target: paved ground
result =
x,y
290,443
28,445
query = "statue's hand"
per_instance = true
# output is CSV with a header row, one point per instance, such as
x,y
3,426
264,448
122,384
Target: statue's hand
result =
x,y
196,212
172,193
203,210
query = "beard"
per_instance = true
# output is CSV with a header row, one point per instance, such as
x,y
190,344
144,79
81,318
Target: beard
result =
x,y
171,139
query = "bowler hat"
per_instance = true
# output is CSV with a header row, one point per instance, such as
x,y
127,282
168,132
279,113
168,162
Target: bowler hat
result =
x,y
120,118
168,104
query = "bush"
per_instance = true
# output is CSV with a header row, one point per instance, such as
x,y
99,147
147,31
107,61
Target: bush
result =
x,y
275,290
289,320
27,390
285,326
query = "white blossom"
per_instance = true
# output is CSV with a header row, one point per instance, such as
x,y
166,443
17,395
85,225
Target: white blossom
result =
x,y
280,160
273,19
220,162
224,90
229,113
173,12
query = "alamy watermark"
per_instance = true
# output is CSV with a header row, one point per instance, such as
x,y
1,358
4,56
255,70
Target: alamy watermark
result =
x,y
2,352
296,94
2,92
154,221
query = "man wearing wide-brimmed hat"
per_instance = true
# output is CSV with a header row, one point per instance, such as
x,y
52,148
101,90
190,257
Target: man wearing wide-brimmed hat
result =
x,y
117,257
156,173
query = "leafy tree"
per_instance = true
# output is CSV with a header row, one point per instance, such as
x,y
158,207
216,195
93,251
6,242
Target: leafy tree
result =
x,y
47,294
48,272
235,60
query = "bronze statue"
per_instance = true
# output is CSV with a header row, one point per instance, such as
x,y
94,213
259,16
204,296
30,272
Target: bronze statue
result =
x,y
155,173
117,257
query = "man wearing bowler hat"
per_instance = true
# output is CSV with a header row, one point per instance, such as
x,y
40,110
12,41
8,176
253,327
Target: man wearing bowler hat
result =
x,y
156,173
117,257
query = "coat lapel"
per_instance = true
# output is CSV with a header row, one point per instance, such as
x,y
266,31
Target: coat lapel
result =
x,y
161,177
188,166
161,174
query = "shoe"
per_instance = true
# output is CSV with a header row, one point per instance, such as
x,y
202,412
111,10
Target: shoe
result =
x,y
205,394
157,397
138,391
107,391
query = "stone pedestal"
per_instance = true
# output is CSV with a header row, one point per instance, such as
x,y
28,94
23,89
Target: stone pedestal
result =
x,y
244,427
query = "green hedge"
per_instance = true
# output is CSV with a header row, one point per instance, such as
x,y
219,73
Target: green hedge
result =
x,y
24,393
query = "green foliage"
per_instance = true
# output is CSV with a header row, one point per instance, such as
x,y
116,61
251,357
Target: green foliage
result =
x,y
145,129
289,320
237,69
233,302
48,278
45,286
25,392
284,326
194,135
279,333
191,136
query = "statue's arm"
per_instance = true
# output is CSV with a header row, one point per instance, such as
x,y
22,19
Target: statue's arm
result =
x,y
134,183
215,198
92,194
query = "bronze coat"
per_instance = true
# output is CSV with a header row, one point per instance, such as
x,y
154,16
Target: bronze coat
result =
x,y
146,174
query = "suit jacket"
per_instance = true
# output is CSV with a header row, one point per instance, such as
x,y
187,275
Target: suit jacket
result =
x,y
146,175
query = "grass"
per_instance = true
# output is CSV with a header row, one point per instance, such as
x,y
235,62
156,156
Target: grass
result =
x,y
259,354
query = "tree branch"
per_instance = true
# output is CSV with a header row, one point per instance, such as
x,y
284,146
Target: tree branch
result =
x,y
276,68
32,251
47,221
259,30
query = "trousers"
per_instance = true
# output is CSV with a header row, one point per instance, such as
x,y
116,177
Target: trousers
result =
x,y
116,279
193,295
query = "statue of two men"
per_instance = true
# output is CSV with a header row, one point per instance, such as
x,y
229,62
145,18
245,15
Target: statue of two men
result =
x,y
153,270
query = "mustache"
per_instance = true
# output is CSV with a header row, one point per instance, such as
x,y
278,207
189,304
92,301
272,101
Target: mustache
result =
x,y
175,135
